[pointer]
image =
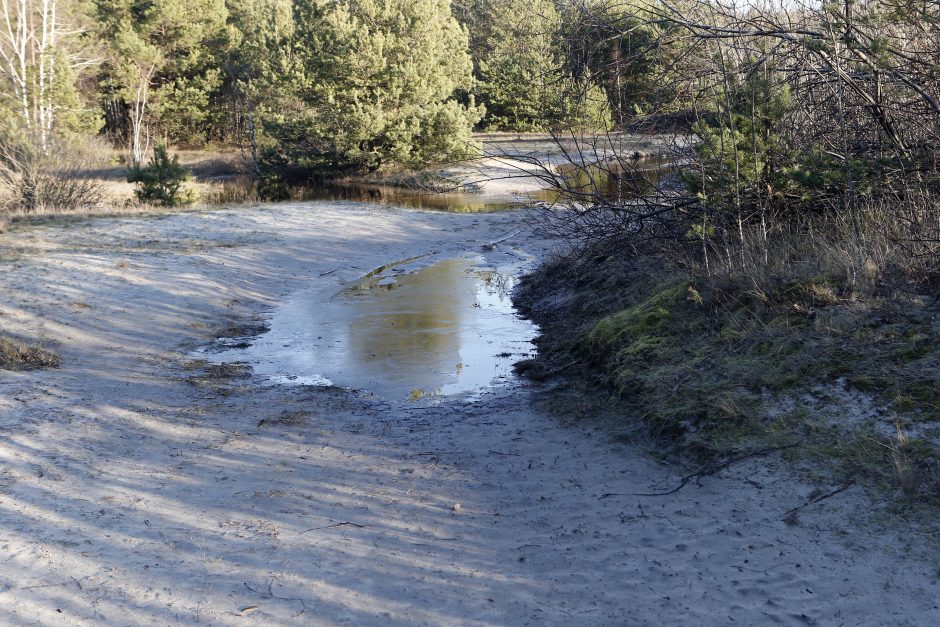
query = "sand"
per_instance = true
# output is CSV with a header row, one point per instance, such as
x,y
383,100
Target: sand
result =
x,y
138,486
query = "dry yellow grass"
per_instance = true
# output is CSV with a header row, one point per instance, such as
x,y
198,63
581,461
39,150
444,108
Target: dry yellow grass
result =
x,y
218,177
16,355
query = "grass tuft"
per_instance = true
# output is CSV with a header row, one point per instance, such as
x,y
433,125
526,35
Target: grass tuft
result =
x,y
16,355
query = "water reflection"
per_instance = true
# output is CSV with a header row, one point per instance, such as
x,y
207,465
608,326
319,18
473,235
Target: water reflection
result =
x,y
242,189
615,181
412,322
451,202
444,329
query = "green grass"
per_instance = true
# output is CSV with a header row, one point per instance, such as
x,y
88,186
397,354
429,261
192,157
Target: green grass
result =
x,y
705,366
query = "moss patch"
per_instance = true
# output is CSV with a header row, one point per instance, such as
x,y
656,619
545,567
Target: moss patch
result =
x,y
704,365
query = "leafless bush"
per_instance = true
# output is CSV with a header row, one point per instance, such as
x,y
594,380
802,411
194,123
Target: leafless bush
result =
x,y
18,355
33,180
807,120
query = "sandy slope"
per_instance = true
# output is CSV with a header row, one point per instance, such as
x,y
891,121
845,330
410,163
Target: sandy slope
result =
x,y
136,488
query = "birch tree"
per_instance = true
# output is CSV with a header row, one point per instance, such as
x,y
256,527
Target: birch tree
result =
x,y
38,63
163,66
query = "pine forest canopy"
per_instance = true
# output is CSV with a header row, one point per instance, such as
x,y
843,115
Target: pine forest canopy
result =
x,y
311,87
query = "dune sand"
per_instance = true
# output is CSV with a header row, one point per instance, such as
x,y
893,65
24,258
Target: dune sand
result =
x,y
139,486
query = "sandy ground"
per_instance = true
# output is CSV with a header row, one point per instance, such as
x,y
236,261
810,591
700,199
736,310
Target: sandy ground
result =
x,y
139,487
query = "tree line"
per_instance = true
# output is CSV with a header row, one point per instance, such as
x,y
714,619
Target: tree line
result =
x,y
309,87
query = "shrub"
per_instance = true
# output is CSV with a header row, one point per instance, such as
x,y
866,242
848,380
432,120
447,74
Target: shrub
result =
x,y
161,181
33,180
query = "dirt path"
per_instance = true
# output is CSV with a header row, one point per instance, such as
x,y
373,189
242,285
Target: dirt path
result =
x,y
140,487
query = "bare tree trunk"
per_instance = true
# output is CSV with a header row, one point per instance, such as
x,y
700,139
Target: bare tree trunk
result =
x,y
140,132
29,34
14,50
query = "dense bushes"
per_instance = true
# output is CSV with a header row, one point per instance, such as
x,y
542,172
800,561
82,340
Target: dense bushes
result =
x,y
794,128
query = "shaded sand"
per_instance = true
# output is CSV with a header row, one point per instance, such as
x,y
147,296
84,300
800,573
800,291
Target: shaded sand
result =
x,y
140,487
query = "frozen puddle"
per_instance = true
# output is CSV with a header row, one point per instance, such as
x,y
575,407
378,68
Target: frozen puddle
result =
x,y
444,329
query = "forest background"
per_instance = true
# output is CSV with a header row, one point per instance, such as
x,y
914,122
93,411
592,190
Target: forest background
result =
x,y
311,89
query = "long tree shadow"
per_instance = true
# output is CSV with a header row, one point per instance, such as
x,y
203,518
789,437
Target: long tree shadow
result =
x,y
132,491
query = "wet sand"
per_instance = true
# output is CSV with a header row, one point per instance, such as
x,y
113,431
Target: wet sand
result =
x,y
141,486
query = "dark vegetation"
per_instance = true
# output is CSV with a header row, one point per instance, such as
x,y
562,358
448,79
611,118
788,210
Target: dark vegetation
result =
x,y
17,355
781,285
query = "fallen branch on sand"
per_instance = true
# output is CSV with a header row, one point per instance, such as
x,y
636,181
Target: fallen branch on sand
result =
x,y
338,524
711,470
789,516
492,245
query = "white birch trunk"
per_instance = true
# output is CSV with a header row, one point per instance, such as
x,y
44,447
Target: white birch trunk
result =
x,y
29,33
140,133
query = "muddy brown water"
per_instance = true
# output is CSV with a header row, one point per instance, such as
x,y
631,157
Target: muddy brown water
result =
x,y
615,182
623,181
403,332
242,189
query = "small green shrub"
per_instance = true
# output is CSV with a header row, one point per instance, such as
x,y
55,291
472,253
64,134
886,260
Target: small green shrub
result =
x,y
161,181
274,174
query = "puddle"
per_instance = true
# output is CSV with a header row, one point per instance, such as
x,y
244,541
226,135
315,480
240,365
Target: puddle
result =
x,y
241,189
444,329
611,182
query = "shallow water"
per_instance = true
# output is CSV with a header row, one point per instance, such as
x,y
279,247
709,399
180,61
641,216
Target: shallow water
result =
x,y
614,182
447,328
622,181
451,202
242,189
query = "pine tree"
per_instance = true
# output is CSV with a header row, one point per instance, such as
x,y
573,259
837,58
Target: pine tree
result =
x,y
376,85
521,78
518,62
623,49
161,181
162,68
260,70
